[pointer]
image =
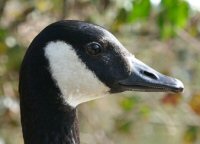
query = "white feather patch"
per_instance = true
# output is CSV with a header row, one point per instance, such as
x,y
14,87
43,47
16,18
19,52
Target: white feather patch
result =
x,y
77,83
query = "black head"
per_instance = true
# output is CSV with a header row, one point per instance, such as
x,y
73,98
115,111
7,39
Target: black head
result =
x,y
98,49
85,59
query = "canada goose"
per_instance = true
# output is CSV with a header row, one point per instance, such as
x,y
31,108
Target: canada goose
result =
x,y
71,62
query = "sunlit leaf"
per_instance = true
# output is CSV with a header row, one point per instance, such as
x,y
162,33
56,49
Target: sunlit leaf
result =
x,y
128,104
140,11
120,19
123,125
190,135
3,48
172,16
145,111
195,103
43,5
3,34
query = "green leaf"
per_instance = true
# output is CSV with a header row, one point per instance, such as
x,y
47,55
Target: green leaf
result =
x,y
140,11
145,110
122,15
190,134
127,104
173,16
3,34
123,125
14,58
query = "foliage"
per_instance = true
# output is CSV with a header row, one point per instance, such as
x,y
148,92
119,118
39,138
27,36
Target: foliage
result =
x,y
190,135
195,103
172,15
140,10
137,117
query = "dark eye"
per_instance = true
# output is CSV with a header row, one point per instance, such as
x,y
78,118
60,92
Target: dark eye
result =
x,y
93,48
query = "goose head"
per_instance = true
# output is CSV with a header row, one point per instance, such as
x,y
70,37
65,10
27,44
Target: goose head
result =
x,y
87,62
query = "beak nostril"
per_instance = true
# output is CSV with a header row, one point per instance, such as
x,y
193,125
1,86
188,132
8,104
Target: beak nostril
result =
x,y
149,74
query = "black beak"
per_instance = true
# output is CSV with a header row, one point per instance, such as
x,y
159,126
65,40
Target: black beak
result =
x,y
144,78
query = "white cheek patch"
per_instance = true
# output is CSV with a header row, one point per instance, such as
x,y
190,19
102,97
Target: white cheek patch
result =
x,y
77,83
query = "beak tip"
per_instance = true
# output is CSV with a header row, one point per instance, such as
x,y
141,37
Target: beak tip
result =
x,y
179,85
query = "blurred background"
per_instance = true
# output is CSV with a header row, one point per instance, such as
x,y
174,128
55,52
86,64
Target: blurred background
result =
x,y
164,34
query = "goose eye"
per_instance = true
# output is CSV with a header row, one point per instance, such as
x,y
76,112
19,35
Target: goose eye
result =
x,y
93,48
